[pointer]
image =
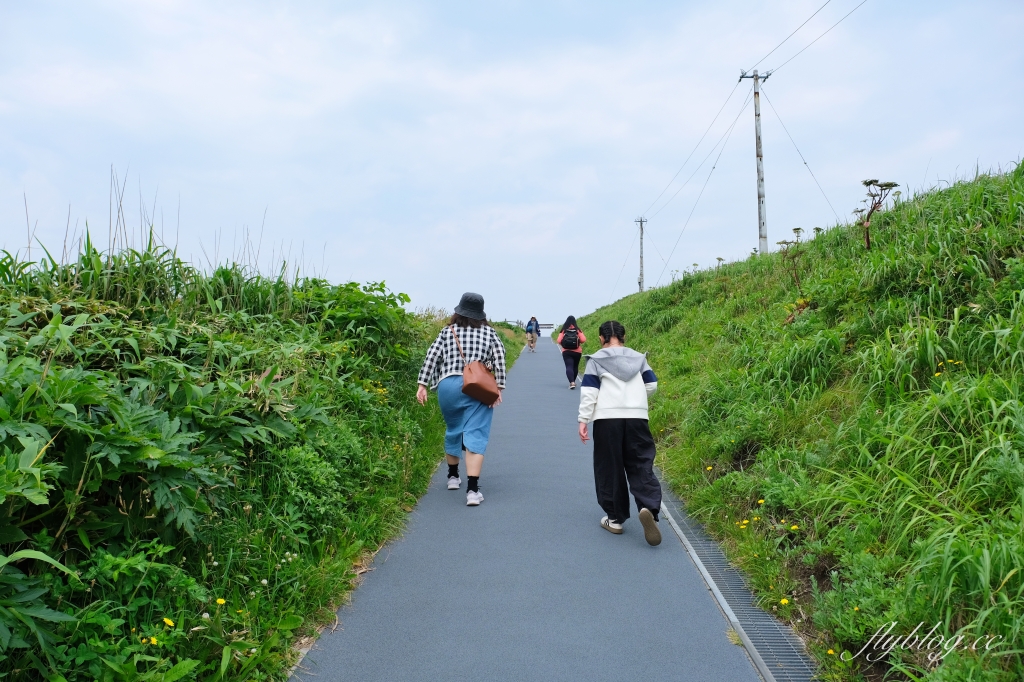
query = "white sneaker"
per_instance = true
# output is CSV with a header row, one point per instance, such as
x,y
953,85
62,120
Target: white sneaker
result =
x,y
474,498
454,482
611,526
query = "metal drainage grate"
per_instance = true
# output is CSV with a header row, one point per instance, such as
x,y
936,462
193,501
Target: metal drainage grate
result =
x,y
777,652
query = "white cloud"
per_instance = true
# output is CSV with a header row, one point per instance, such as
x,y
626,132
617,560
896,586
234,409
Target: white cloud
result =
x,y
397,132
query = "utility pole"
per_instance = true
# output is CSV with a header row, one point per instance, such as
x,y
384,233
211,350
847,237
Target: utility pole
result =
x,y
762,222
640,280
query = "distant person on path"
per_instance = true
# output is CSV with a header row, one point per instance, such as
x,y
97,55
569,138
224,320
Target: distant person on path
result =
x,y
616,384
532,331
468,420
571,340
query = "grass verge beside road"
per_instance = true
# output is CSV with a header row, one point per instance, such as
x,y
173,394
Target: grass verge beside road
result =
x,y
849,424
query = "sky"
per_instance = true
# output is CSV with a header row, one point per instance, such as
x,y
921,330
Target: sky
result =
x,y
502,147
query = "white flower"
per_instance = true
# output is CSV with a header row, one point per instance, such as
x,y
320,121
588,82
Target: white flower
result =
x,y
216,563
206,616
263,582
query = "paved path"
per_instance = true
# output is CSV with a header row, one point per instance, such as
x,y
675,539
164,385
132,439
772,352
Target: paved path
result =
x,y
528,586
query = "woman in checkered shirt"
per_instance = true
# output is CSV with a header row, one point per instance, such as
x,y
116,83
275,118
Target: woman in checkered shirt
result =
x,y
468,420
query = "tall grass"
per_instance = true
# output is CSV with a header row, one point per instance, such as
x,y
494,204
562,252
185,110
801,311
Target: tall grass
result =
x,y
859,449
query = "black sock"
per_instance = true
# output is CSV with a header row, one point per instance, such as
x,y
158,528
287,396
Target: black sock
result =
x,y
473,484
453,471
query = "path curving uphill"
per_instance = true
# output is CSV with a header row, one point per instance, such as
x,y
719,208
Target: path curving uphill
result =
x,y
528,586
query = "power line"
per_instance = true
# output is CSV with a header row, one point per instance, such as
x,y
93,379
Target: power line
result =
x,y
819,37
628,253
725,140
701,165
729,135
806,165
731,92
789,36
656,249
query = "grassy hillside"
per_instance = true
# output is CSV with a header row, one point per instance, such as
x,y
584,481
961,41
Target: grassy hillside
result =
x,y
195,464
850,424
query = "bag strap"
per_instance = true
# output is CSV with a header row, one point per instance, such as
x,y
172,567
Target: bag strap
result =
x,y
458,344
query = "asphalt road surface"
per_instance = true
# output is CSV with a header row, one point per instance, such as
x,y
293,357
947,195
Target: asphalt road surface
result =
x,y
528,586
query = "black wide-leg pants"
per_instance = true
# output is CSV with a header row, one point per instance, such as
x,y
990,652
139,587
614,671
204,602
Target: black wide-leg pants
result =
x,y
624,453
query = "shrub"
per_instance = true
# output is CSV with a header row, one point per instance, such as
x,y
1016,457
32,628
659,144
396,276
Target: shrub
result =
x,y
206,454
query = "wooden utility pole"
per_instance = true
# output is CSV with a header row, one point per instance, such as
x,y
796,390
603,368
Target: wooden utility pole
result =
x,y
762,221
640,280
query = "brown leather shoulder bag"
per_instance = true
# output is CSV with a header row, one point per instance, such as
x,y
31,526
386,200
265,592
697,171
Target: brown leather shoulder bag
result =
x,y
477,380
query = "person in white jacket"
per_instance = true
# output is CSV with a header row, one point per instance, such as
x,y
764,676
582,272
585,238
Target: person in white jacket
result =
x,y
616,384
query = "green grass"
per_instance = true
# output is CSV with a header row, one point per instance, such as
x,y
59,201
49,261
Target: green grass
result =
x,y
873,401
196,465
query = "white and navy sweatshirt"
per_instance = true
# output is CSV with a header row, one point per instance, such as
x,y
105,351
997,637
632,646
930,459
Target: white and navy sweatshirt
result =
x,y
616,384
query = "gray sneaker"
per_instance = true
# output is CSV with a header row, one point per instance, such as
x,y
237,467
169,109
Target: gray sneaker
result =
x,y
474,498
651,532
454,482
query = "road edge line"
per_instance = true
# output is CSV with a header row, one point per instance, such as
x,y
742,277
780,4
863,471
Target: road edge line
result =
x,y
762,667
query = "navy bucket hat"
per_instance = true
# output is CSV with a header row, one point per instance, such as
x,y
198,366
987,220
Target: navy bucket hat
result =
x,y
472,306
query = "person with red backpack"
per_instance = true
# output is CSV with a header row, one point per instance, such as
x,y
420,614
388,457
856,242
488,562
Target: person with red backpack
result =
x,y
571,340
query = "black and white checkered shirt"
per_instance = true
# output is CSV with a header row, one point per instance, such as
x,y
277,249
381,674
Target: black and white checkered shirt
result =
x,y
443,359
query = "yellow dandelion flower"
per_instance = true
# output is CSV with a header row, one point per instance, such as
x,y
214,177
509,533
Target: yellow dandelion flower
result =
x,y
709,468
760,501
782,521
783,601
169,622
856,608
831,653
745,521
152,640
771,587
144,640
938,374
221,602
794,527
